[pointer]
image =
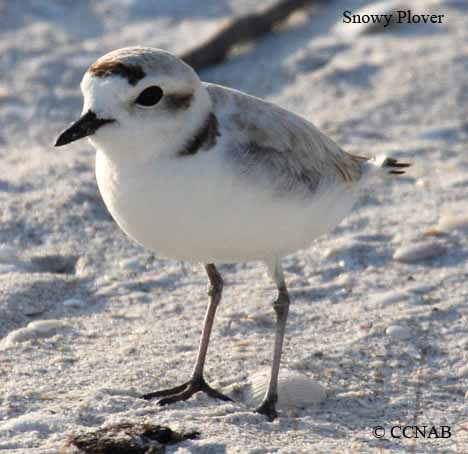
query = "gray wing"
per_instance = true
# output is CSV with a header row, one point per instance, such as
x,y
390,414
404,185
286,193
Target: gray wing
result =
x,y
283,146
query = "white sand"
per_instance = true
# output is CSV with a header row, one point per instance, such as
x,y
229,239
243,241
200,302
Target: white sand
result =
x,y
133,322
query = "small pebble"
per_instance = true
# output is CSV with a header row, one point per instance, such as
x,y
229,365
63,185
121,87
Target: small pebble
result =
x,y
74,303
16,336
421,289
450,223
46,327
345,280
39,328
463,372
8,253
132,264
390,297
419,252
413,352
398,332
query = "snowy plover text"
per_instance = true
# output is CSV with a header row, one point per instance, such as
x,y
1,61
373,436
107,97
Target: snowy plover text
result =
x,y
200,172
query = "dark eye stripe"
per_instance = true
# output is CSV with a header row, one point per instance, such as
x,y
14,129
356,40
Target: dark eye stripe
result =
x,y
179,101
149,96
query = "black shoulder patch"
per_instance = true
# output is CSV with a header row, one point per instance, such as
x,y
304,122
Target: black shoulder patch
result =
x,y
205,138
106,68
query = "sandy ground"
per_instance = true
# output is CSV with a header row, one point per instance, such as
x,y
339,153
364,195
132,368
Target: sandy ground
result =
x,y
379,314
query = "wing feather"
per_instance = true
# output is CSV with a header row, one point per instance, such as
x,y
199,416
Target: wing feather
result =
x,y
284,144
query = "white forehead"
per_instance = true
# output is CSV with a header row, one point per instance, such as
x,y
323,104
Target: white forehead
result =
x,y
125,72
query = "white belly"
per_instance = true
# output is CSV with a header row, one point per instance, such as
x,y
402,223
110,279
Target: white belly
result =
x,y
195,209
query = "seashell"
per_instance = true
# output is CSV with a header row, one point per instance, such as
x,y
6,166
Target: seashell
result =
x,y
295,390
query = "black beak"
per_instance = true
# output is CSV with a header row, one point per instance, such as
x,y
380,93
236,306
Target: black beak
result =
x,y
87,125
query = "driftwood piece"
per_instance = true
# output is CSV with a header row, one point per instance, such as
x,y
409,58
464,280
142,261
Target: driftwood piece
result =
x,y
241,30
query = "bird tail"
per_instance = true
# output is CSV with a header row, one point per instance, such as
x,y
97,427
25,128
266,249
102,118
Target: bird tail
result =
x,y
391,165
384,163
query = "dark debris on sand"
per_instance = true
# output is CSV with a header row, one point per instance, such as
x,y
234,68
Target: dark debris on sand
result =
x,y
125,438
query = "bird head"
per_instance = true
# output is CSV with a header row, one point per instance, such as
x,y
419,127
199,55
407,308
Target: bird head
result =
x,y
138,99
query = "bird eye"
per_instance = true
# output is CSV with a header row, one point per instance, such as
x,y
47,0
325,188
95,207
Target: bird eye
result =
x,y
149,96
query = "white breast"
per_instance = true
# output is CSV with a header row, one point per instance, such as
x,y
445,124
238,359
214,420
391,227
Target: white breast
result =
x,y
195,208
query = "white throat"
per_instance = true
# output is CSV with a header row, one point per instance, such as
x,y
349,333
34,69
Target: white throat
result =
x,y
164,137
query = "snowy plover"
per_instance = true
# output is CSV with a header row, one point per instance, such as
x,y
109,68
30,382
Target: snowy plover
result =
x,y
199,172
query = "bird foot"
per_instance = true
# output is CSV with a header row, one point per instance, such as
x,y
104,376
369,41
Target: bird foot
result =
x,y
184,392
267,408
